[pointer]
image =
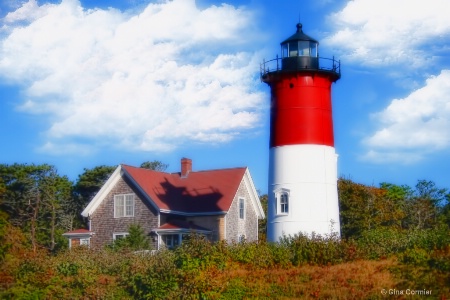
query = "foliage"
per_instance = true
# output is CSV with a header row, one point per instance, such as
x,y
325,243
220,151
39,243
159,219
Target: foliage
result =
x,y
4,246
387,242
87,186
364,208
152,277
155,165
135,240
36,199
392,237
310,268
262,223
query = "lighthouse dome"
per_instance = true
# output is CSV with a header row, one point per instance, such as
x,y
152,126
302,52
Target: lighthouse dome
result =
x,y
300,51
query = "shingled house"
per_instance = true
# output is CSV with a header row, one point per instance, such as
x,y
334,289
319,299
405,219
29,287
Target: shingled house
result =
x,y
220,204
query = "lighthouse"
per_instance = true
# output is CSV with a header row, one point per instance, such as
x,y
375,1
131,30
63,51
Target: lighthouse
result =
x,y
302,159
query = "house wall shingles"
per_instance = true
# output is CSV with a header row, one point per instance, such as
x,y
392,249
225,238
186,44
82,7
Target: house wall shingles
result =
x,y
213,223
210,222
103,223
247,226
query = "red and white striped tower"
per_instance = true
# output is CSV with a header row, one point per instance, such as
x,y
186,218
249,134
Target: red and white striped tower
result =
x,y
302,161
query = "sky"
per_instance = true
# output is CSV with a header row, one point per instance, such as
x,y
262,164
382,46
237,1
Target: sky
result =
x,y
87,83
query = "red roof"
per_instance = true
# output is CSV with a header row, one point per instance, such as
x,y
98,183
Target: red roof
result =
x,y
198,192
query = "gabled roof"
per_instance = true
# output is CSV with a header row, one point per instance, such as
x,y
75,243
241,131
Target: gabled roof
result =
x,y
200,192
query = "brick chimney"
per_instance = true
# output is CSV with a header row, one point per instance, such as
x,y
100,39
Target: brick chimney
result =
x,y
186,166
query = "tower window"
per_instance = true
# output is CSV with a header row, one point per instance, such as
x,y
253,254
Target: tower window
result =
x,y
293,49
303,48
282,201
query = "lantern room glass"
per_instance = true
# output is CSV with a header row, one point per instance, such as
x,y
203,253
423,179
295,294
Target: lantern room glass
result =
x,y
299,48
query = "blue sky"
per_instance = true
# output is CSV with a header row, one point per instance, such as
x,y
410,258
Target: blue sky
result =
x,y
85,83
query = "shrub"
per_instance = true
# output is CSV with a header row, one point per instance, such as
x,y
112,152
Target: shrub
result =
x,y
385,242
135,240
151,277
315,249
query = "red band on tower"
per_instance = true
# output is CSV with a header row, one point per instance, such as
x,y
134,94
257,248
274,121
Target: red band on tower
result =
x,y
301,110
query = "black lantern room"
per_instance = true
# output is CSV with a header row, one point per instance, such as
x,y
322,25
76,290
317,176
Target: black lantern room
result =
x,y
299,51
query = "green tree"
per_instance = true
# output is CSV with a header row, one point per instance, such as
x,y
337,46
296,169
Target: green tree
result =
x,y
364,208
397,196
425,204
356,204
87,186
155,165
262,224
445,211
135,240
58,212
33,198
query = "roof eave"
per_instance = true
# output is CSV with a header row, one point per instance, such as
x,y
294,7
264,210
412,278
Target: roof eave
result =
x,y
181,230
80,235
189,214
141,190
98,198
252,190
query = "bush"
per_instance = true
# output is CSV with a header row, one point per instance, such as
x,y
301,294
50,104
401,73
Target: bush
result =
x,y
151,277
198,269
135,240
314,250
385,242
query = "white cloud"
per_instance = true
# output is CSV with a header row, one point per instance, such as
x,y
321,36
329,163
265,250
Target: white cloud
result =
x,y
150,81
409,33
27,12
66,148
401,157
414,126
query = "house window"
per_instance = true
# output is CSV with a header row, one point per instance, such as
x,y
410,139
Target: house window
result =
x,y
282,199
171,240
85,242
124,205
241,238
120,235
241,208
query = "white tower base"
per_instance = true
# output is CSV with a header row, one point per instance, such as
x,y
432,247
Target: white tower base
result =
x,y
307,174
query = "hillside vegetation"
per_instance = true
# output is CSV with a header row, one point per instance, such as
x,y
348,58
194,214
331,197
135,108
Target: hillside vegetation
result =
x,y
395,243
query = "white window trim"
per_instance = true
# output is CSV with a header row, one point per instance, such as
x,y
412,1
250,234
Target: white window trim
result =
x,y
277,195
124,198
85,242
241,238
239,208
179,238
124,234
